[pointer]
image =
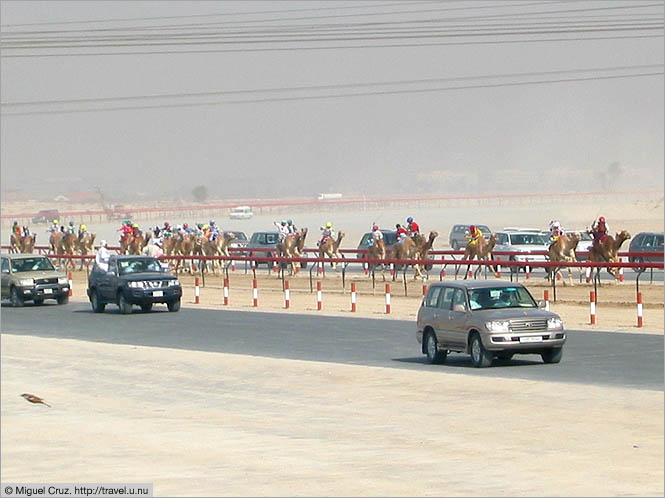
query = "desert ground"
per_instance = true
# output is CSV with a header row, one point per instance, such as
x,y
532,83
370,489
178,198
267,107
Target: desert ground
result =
x,y
215,424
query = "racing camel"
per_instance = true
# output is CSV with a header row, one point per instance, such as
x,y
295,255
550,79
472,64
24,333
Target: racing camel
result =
x,y
607,251
409,248
330,247
563,249
480,249
29,243
86,245
292,247
218,247
377,251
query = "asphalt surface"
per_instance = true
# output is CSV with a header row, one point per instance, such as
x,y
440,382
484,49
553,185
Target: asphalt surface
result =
x,y
609,359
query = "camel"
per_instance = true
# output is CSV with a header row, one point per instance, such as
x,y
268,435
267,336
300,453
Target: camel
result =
x,y
61,244
217,247
15,243
563,249
29,243
292,247
136,243
377,251
409,248
330,247
480,249
86,245
607,251
427,247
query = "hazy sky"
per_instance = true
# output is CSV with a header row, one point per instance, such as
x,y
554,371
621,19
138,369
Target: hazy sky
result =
x,y
493,138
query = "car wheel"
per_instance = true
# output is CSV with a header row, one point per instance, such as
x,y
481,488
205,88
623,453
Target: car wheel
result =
x,y
433,354
124,305
638,259
38,301
63,299
173,305
145,307
480,357
455,245
96,305
16,298
552,355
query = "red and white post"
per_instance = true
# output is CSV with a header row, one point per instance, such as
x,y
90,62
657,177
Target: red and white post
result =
x,y
621,271
592,306
353,297
392,269
640,321
70,279
233,265
498,271
387,299
255,292
527,269
275,267
287,295
319,296
226,292
366,268
196,291
546,297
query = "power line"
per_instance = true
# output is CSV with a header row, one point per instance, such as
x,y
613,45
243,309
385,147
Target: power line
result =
x,y
330,47
329,87
336,96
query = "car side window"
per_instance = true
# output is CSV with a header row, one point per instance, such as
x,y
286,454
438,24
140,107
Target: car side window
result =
x,y
458,298
433,297
270,239
5,265
446,298
113,267
647,241
502,239
659,241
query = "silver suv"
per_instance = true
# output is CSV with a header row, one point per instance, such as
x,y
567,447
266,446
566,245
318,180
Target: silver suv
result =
x,y
487,319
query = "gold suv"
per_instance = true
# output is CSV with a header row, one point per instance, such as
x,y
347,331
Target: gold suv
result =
x,y
32,277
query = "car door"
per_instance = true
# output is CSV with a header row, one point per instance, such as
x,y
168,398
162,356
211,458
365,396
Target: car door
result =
x,y
457,323
4,266
429,313
106,281
658,248
443,330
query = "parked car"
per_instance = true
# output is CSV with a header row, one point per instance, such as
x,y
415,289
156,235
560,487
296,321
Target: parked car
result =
x,y
457,238
487,319
523,242
647,242
46,216
585,243
389,238
30,277
239,240
131,280
241,213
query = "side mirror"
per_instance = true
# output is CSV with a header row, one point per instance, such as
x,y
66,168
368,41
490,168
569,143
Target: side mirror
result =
x,y
542,304
459,307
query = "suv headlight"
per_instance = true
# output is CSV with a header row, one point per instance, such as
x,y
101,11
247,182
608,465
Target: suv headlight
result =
x,y
26,282
554,323
136,285
63,280
175,283
498,326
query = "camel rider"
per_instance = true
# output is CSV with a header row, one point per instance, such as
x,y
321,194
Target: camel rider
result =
x,y
292,228
136,231
126,230
102,256
474,235
377,234
187,228
556,230
26,231
599,230
83,229
71,229
53,227
16,229
327,231
214,230
412,226
401,232
282,229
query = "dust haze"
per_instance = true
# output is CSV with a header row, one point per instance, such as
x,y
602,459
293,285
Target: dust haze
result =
x,y
548,129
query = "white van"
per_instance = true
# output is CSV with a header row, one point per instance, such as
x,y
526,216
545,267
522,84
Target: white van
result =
x,y
241,213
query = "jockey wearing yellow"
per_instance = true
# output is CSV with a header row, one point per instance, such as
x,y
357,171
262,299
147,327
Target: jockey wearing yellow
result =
x,y
474,235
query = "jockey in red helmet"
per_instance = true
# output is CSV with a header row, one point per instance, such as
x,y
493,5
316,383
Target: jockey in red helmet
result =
x,y
599,230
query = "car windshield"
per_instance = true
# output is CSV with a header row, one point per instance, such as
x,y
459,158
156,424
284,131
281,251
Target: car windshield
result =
x,y
528,239
585,236
31,264
492,298
483,229
144,265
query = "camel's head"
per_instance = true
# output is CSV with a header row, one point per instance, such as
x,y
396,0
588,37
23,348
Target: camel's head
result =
x,y
340,235
576,236
623,235
433,235
229,235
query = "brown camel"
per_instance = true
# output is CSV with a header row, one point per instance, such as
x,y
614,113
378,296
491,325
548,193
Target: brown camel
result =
x,y
217,247
408,248
29,243
86,245
136,243
563,249
480,249
330,247
377,251
15,243
292,247
607,251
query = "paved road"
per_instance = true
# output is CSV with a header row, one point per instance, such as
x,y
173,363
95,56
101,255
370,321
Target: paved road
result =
x,y
616,359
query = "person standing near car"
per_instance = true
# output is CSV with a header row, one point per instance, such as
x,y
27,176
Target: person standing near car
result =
x,y
102,256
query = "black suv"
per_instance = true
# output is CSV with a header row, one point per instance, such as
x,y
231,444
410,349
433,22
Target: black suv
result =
x,y
647,242
133,280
